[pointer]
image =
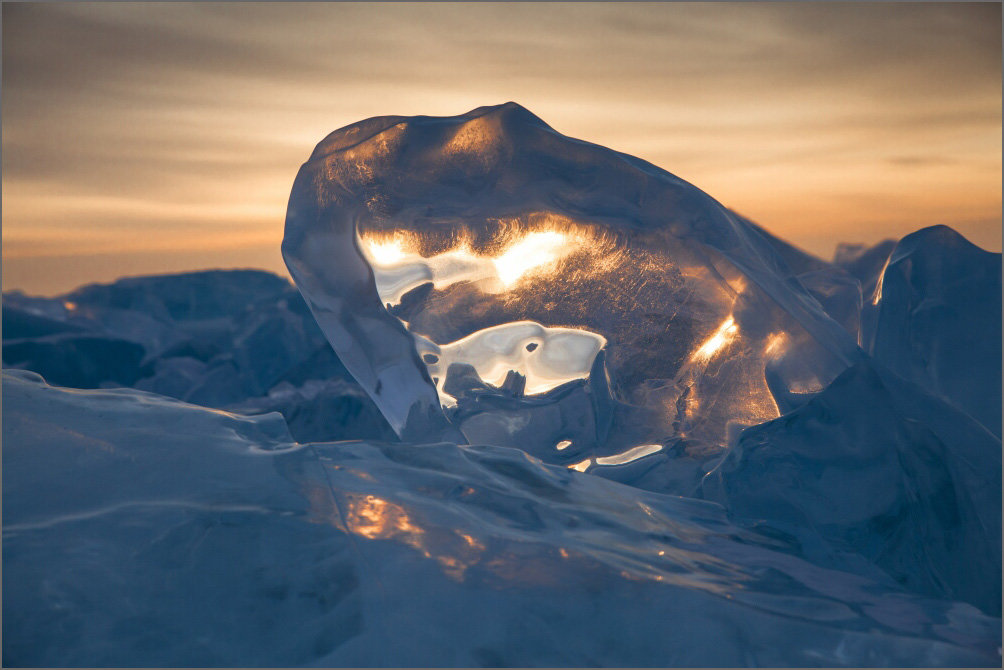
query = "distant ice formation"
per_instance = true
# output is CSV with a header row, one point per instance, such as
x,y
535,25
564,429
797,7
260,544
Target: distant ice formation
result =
x,y
237,340
531,402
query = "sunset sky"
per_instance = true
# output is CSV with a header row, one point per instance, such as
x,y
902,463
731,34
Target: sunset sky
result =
x,y
145,138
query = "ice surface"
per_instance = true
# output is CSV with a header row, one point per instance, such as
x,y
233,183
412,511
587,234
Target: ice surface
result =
x,y
545,357
864,471
237,340
409,234
639,430
938,320
143,531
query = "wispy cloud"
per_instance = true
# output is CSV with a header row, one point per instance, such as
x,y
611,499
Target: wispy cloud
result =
x,y
157,126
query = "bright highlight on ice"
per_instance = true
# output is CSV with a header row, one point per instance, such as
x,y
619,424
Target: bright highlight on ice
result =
x,y
775,344
397,269
725,334
386,252
623,458
533,251
632,454
546,357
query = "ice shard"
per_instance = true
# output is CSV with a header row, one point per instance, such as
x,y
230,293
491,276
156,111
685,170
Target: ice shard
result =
x,y
937,320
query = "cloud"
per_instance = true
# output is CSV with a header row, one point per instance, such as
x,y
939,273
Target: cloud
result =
x,y
783,110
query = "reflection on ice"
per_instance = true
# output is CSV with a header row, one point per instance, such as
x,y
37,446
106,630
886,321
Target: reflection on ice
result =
x,y
350,554
399,268
545,357
623,458
775,345
721,337
630,455
535,250
375,518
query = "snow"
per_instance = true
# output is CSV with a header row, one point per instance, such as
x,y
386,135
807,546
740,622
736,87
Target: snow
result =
x,y
531,402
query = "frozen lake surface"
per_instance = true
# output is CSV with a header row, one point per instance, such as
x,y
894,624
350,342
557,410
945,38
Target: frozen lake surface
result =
x,y
531,402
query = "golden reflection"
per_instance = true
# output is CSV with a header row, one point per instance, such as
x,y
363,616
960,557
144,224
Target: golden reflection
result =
x,y
776,344
514,255
386,252
472,542
877,295
69,305
376,518
581,466
721,337
533,251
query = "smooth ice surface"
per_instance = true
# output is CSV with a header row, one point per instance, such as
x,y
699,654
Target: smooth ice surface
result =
x,y
937,320
545,357
144,531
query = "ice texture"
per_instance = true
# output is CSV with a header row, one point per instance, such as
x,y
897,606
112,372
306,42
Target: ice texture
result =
x,y
143,531
405,235
599,419
862,467
237,340
938,320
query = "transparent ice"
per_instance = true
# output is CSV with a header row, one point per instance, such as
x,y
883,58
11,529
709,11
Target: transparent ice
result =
x,y
484,275
600,419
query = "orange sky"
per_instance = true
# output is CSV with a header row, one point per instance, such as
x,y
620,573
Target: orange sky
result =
x,y
142,138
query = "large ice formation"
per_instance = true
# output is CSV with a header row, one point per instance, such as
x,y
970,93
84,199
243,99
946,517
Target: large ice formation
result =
x,y
600,419
430,246
144,531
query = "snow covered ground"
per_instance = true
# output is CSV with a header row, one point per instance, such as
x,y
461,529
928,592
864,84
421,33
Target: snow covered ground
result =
x,y
540,404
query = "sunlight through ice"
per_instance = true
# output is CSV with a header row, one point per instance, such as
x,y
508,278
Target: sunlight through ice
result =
x,y
398,269
534,250
386,252
725,334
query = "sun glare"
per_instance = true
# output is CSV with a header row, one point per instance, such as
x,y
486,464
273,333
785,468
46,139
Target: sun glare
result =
x,y
534,250
775,344
394,258
386,252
